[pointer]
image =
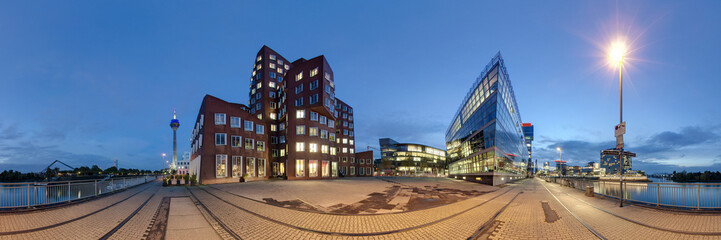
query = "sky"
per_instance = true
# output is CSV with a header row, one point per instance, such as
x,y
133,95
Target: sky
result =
x,y
86,82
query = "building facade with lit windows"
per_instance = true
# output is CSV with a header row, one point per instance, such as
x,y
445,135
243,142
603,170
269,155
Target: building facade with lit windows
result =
x,y
485,141
528,138
409,159
307,132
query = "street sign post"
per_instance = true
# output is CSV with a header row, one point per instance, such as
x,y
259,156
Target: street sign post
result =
x,y
620,129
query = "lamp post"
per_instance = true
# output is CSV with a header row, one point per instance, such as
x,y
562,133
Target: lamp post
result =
x,y
560,152
162,164
617,52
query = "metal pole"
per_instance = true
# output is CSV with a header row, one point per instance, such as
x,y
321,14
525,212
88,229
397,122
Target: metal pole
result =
x,y
69,191
658,187
620,152
96,188
28,195
698,196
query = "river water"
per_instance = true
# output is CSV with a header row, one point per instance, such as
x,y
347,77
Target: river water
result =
x,y
666,192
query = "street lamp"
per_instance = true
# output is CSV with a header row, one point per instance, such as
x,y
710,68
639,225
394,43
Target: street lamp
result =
x,y
560,151
618,50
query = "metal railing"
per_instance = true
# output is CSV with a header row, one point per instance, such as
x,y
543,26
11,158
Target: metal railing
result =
x,y
698,196
34,194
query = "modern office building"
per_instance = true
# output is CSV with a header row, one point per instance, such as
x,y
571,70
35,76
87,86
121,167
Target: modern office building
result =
x,y
293,127
484,141
560,167
528,138
610,163
409,159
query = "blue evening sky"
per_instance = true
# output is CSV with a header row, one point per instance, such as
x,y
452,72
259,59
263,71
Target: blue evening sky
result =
x,y
90,81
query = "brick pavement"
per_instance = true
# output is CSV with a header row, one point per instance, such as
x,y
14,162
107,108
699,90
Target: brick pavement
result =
x,y
140,223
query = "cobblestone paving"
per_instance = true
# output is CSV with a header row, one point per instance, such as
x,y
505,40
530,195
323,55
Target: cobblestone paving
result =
x,y
612,227
525,218
91,227
40,218
140,223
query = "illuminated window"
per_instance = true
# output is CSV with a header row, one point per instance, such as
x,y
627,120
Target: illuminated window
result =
x,y
249,143
237,163
273,127
271,84
272,57
313,72
345,141
299,76
313,131
259,58
332,137
235,141
312,168
300,147
345,150
327,76
260,146
221,160
287,67
299,114
271,65
323,134
352,151
300,130
261,167
273,116
299,167
350,142
313,147
324,149
334,169
250,166
333,151
326,169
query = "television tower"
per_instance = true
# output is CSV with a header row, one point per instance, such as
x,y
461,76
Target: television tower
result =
x,y
174,124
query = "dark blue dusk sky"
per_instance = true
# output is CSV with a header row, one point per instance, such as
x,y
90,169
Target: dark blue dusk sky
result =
x,y
89,81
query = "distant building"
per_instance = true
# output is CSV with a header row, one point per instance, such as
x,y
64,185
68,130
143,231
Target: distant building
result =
x,y
183,165
546,167
528,139
484,140
561,167
610,163
411,159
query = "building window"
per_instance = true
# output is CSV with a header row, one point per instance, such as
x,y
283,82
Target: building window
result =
x,y
273,127
345,141
323,134
260,146
324,149
234,122
352,170
345,150
261,167
273,116
350,133
220,119
299,89
299,76
351,150
331,123
332,137
352,160
273,140
299,102
300,130
326,169
345,131
250,166
313,131
221,160
249,143
237,163
272,84
314,85
235,141
334,169
313,116
259,58
287,67
327,76
361,161
312,168
272,57
344,159
314,99
271,65
259,129
321,120
279,70
313,147
220,138
259,116
248,126
299,114
299,167
281,139
350,142
314,72
280,62
300,147
360,171
333,151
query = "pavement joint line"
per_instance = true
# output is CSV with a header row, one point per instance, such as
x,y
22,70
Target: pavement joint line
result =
x,y
354,234
215,218
574,215
490,221
121,224
643,224
71,220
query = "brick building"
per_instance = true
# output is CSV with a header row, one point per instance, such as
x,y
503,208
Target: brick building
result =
x,y
293,126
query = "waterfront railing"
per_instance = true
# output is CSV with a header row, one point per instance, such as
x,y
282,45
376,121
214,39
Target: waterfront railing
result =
x,y
37,194
698,196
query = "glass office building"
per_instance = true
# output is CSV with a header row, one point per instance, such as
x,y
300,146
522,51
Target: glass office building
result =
x,y
485,140
409,159
528,136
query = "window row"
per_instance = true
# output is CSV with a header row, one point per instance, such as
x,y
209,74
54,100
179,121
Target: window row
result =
x,y
236,141
237,165
236,121
327,168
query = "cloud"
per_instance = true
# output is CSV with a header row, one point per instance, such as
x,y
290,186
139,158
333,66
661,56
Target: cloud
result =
x,y
691,148
10,133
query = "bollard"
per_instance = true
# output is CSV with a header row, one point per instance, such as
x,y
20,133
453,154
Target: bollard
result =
x,y
589,191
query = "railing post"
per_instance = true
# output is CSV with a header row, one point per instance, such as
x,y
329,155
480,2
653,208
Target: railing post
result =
x,y
124,184
69,191
96,188
28,195
698,196
112,185
658,187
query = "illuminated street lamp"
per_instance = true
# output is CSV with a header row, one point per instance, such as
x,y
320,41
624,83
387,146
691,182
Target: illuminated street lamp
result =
x,y
618,50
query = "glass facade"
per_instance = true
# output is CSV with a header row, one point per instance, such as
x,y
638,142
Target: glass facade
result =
x,y
485,135
411,159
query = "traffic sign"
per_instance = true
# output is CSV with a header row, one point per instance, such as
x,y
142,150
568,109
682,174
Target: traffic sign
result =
x,y
621,129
